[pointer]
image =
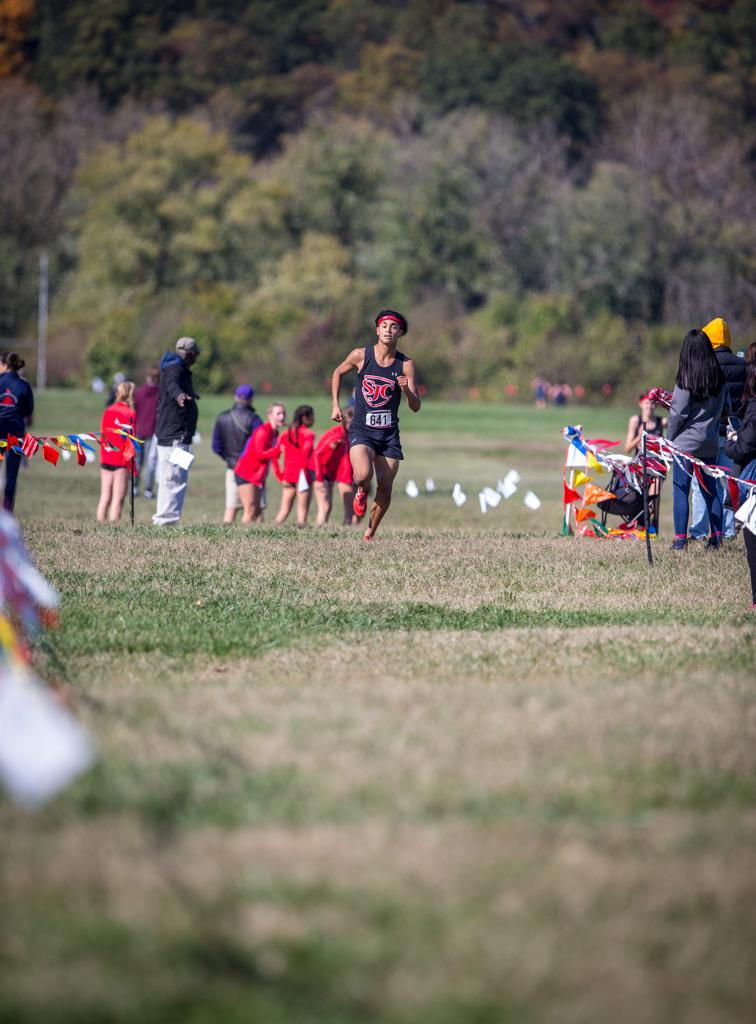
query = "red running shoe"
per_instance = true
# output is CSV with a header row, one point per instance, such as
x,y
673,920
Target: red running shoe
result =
x,y
360,503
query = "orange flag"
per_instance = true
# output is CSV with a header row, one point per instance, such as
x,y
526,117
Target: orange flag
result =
x,y
582,514
592,494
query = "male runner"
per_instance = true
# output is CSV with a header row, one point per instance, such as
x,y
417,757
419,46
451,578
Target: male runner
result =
x,y
383,374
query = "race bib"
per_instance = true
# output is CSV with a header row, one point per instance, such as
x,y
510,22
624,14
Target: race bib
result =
x,y
378,419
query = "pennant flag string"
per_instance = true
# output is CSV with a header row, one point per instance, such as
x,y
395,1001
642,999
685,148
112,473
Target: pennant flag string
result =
x,y
77,444
661,455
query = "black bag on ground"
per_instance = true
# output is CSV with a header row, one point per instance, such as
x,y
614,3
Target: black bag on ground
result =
x,y
627,502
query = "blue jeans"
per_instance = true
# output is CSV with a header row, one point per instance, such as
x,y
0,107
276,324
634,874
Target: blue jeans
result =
x,y
747,473
699,525
680,492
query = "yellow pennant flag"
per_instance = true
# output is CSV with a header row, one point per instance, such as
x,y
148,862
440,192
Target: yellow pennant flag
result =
x,y
594,463
66,443
581,478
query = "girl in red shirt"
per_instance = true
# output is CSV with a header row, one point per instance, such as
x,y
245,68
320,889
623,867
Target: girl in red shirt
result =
x,y
332,466
297,445
254,462
114,466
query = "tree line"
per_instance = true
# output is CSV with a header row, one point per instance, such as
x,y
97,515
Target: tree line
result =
x,y
544,188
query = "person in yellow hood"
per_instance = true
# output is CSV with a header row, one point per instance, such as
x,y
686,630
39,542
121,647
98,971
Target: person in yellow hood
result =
x,y
734,370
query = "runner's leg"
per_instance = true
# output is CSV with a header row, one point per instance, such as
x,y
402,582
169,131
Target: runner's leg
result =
x,y
323,501
288,494
106,491
385,472
303,506
120,486
347,497
362,459
248,504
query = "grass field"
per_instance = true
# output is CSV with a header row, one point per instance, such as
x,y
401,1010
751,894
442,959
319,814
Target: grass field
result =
x,y
474,773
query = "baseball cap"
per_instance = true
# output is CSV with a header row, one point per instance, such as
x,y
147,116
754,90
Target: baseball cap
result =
x,y
188,345
244,392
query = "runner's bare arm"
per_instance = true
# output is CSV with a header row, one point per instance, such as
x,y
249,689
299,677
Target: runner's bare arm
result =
x,y
353,361
406,382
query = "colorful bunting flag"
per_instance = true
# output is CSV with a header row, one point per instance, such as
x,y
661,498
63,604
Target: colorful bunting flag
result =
x,y
50,453
30,446
570,494
592,494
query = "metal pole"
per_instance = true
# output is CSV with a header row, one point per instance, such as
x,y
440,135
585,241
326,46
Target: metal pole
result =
x,y
42,323
131,488
644,486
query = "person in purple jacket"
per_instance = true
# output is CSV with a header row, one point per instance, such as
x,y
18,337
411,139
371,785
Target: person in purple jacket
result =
x,y
145,408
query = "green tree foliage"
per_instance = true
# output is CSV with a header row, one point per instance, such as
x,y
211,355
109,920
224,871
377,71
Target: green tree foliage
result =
x,y
172,207
556,188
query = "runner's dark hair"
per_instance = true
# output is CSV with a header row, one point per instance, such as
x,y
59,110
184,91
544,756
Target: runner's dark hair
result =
x,y
301,412
698,370
392,312
12,361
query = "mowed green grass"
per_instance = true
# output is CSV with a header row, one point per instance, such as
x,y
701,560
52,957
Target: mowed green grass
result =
x,y
476,772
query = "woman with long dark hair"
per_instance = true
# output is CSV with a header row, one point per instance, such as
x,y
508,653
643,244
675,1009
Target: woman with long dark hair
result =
x,y
16,409
698,402
298,471
741,447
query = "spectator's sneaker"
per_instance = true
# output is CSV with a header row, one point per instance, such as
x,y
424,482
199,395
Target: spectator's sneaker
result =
x,y
714,542
148,494
360,503
679,544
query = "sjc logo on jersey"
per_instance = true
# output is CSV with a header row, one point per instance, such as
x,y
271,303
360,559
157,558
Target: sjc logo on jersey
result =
x,y
377,391
8,399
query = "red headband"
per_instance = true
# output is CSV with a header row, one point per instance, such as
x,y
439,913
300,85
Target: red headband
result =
x,y
394,319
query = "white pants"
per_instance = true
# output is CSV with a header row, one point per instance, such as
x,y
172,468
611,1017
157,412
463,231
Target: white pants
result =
x,y
172,484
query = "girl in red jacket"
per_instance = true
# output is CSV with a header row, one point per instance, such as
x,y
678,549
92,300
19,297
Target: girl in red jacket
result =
x,y
114,466
254,462
296,477
332,466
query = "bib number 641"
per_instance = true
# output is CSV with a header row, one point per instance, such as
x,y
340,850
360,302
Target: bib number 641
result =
x,y
378,419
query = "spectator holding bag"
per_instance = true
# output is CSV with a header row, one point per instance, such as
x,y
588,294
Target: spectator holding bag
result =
x,y
699,400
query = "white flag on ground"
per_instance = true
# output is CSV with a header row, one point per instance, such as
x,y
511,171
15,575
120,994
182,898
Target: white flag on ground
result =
x,y
482,500
42,746
492,497
458,495
506,488
513,477
430,485
411,489
532,500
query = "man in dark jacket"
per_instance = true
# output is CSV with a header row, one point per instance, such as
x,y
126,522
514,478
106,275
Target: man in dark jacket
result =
x,y
734,370
232,430
175,427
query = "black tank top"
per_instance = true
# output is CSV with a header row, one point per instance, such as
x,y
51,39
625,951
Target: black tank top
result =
x,y
377,396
